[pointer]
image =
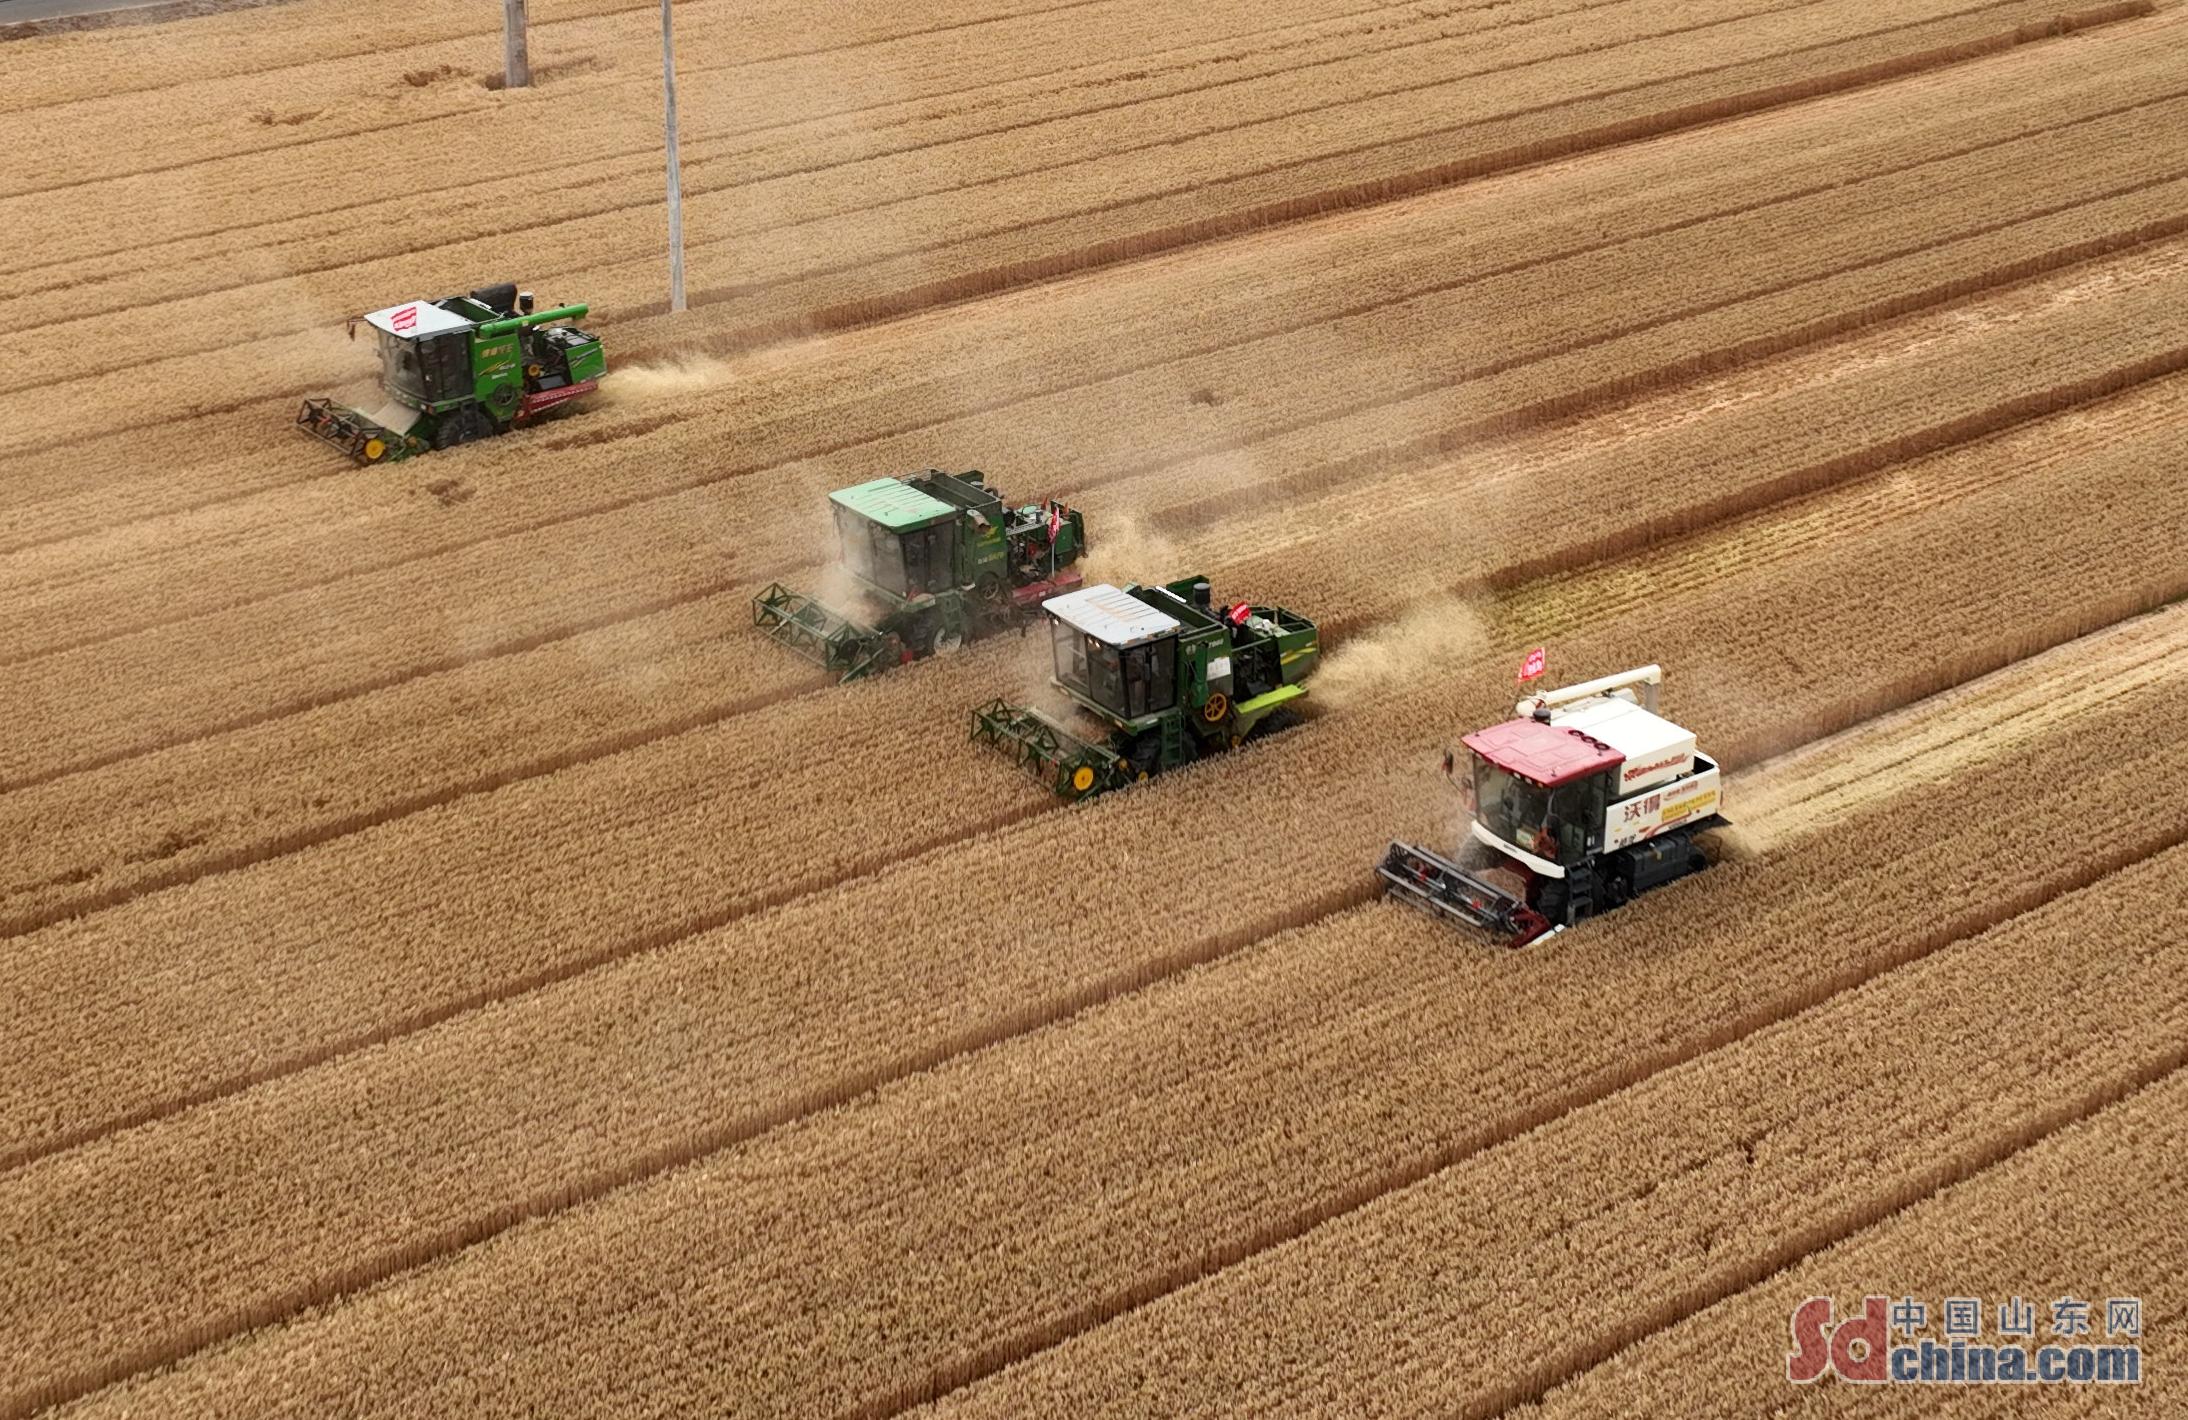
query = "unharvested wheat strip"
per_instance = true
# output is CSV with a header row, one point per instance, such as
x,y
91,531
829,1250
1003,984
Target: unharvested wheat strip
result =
x,y
273,230
966,1222
596,61
1213,199
1612,1218
1832,138
753,123
1332,267
1793,274
789,188
155,827
106,62
2093,1211
340,634
944,262
98,838
855,1011
793,220
1789,426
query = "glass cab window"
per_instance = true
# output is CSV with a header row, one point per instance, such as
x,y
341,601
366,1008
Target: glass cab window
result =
x,y
1558,824
1130,683
1150,677
430,370
927,558
904,563
399,367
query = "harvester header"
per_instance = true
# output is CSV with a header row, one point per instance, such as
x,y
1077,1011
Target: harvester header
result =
x,y
1159,677
1586,800
458,369
935,559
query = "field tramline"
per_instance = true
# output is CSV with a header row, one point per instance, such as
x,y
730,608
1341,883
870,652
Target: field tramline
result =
x,y
454,962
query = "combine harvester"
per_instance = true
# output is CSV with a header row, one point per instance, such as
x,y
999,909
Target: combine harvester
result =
x,y
1168,676
460,369
938,560
1586,801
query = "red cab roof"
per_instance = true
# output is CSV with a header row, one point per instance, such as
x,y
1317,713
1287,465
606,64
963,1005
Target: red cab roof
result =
x,y
1549,755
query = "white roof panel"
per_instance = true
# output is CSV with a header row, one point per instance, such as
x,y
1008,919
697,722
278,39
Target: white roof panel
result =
x,y
1111,615
415,319
1655,748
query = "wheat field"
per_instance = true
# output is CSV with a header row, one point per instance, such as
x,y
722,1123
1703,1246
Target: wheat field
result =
x,y
453,964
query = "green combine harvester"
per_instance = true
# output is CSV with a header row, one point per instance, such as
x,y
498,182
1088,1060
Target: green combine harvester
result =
x,y
938,559
1167,675
460,369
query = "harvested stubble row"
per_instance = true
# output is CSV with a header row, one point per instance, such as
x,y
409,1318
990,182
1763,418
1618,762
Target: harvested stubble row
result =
x,y
797,119
80,67
2093,1211
934,246
668,838
1929,744
1619,1217
1776,429
665,1056
1237,290
345,622
1773,274
861,1259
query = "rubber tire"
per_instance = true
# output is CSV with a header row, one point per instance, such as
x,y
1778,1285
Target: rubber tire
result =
x,y
462,427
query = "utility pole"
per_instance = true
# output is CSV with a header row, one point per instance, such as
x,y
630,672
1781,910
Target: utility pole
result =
x,y
676,181
516,63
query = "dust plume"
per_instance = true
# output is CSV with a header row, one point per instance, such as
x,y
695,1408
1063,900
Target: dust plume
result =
x,y
1125,549
1430,637
1735,843
661,379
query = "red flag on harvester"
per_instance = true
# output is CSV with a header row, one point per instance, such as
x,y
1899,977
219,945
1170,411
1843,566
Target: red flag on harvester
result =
x,y
1538,660
1237,615
1055,518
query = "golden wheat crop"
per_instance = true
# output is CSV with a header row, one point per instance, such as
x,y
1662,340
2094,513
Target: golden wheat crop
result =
x,y
852,240
454,963
171,815
735,1024
1650,1203
1780,275
728,819
967,1223
2094,1209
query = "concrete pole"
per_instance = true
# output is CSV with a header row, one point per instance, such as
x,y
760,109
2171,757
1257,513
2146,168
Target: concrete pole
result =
x,y
676,181
516,63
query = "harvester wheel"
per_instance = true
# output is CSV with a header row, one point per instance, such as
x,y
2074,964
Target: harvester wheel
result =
x,y
946,641
374,448
1217,707
462,427
1082,779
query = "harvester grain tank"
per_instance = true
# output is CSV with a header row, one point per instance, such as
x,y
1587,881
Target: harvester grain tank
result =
x,y
936,560
460,369
1163,673
1585,801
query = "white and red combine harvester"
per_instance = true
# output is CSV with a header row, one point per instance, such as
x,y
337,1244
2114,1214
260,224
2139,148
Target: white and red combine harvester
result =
x,y
1586,800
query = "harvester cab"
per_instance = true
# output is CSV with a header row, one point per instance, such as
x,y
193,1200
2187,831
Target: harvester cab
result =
x,y
460,369
935,560
1586,800
1164,674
